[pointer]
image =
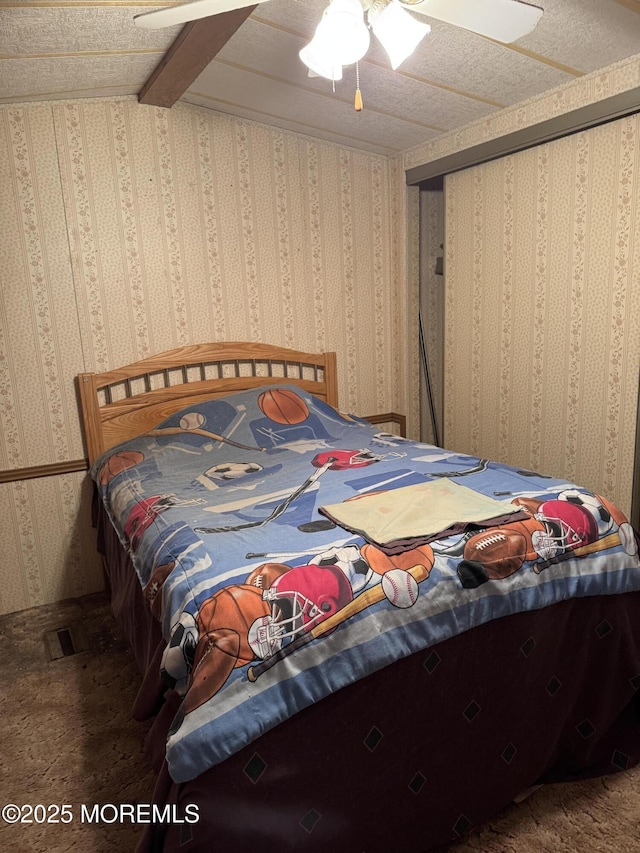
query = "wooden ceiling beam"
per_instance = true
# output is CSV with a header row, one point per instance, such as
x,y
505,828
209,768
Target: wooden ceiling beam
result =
x,y
194,48
634,5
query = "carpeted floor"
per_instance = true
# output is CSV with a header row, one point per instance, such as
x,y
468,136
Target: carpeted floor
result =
x,y
67,738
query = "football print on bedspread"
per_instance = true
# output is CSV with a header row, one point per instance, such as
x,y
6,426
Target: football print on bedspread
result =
x,y
492,554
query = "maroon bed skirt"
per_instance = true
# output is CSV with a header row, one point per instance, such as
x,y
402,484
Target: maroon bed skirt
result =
x,y
417,754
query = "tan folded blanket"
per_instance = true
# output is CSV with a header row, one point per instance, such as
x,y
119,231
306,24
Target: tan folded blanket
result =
x,y
424,511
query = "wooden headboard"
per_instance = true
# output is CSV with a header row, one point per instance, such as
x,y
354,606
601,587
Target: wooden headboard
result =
x,y
121,404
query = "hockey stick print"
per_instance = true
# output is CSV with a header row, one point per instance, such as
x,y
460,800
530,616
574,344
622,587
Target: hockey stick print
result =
x,y
531,493
357,605
277,555
463,472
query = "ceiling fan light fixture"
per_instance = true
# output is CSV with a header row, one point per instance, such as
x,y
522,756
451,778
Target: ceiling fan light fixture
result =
x,y
321,61
341,38
398,32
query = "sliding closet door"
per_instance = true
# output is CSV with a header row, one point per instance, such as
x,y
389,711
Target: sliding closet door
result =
x,y
542,308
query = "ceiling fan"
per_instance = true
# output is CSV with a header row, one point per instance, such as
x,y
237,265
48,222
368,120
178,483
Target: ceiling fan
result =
x,y
502,20
342,36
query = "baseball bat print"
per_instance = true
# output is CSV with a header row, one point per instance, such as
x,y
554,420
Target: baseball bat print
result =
x,y
357,605
203,432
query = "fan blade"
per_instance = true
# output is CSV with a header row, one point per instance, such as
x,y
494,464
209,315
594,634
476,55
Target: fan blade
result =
x,y
502,20
169,16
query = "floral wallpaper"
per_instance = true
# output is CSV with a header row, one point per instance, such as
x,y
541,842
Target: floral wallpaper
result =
x,y
128,230
542,350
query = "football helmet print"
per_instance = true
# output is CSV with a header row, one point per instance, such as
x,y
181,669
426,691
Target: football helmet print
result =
x,y
342,460
299,600
143,513
567,526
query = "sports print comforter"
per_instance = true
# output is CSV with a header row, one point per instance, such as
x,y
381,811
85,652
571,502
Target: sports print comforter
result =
x,y
232,511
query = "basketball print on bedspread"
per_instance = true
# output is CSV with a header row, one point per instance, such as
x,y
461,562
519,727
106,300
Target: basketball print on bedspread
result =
x,y
288,420
118,462
283,406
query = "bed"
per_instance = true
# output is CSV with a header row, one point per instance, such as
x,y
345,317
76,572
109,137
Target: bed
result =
x,y
348,640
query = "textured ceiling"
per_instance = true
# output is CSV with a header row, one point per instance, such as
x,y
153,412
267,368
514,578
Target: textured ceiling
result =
x,y
75,49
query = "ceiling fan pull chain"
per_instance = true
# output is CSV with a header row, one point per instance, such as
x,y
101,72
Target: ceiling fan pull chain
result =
x,y
358,101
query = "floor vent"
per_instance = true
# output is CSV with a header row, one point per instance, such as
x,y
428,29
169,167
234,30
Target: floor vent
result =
x,y
65,642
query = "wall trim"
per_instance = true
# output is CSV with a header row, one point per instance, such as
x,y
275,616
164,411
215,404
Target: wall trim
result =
x,y
601,112
12,475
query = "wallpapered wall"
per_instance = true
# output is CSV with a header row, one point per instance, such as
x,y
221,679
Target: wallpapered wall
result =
x,y
543,308
128,230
